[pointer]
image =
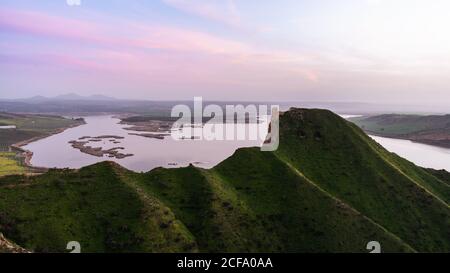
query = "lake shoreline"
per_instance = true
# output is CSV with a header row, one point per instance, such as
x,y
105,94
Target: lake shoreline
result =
x,y
27,155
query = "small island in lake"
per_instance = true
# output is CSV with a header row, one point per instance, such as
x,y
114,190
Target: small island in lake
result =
x,y
82,145
150,135
148,123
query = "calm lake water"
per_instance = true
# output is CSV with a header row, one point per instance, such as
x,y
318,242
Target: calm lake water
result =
x,y
149,153
421,154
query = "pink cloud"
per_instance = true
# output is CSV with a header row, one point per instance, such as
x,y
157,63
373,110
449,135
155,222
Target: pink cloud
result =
x,y
41,24
149,37
170,38
54,61
188,56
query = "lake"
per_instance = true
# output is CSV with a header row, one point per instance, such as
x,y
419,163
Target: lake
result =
x,y
421,154
149,153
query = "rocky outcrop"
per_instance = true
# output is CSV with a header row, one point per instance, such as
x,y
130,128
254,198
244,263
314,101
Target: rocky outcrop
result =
x,y
8,247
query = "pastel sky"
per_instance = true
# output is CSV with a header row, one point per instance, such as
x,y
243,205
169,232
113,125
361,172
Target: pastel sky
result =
x,y
390,51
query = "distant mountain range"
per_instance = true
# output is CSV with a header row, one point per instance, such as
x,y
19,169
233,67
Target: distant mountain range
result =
x,y
75,103
65,97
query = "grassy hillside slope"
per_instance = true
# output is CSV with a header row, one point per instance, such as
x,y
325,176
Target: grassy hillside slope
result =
x,y
328,188
345,162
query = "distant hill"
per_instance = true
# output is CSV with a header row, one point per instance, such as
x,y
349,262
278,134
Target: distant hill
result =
x,y
433,129
73,96
37,99
328,188
64,97
68,104
76,104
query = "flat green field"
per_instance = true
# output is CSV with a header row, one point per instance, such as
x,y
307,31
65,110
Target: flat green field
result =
x,y
38,123
432,130
395,125
30,126
9,165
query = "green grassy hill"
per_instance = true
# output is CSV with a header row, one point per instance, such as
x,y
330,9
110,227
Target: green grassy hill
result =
x,y
328,188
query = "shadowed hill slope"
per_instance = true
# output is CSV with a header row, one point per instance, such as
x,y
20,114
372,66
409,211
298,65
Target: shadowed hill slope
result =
x,y
328,188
